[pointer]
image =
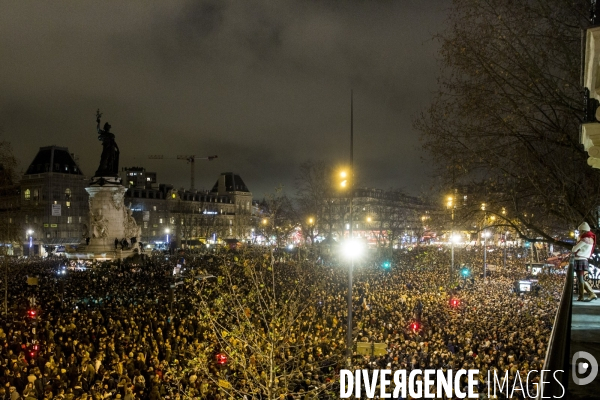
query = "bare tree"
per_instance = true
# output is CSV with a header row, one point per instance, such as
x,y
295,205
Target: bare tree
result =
x,y
315,197
255,319
507,114
281,218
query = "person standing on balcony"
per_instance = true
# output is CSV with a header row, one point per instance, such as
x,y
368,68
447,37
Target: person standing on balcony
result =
x,y
582,251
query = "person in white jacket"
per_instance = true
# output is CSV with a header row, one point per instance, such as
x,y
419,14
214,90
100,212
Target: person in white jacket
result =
x,y
582,251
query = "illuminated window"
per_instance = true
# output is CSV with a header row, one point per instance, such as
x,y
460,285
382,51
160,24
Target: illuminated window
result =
x,y
68,204
153,233
69,220
173,195
160,221
145,224
27,194
153,208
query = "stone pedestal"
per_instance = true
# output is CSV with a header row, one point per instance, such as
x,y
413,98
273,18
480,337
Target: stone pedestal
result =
x,y
109,220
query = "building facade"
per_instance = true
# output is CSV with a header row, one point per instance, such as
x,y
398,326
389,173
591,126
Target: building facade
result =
x,y
51,206
53,201
188,218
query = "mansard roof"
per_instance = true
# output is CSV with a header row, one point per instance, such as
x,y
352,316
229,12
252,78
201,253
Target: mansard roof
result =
x,y
53,159
233,183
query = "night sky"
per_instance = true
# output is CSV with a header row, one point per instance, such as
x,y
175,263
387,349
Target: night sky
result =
x,y
265,85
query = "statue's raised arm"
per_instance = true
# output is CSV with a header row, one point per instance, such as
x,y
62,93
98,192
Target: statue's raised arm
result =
x,y
109,160
98,117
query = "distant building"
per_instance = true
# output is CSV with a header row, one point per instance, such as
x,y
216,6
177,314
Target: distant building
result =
x,y
54,203
138,178
49,206
188,218
11,230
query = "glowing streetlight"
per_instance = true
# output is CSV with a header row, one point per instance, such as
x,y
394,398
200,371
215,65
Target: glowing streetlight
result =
x,y
167,231
264,221
344,181
311,220
353,248
369,219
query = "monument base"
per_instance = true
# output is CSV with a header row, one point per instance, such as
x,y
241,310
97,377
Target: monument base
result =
x,y
87,254
101,249
109,221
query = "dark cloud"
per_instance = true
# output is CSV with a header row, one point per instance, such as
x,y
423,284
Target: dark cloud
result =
x,y
263,84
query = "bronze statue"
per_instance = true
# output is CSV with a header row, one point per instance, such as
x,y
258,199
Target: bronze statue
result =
x,y
109,160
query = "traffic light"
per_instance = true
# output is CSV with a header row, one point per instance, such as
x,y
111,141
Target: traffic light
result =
x,y
32,314
454,303
221,358
415,326
386,264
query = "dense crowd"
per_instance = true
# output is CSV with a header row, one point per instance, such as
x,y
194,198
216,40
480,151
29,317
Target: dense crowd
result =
x,y
121,331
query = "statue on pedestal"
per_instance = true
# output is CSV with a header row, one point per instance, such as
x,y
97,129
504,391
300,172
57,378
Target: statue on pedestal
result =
x,y
109,160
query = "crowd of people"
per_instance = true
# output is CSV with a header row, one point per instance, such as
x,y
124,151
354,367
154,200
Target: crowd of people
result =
x,y
124,330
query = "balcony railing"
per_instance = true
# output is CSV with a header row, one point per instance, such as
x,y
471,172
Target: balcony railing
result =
x,y
559,345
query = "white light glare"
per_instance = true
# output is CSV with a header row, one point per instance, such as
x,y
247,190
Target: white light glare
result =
x,y
455,238
353,248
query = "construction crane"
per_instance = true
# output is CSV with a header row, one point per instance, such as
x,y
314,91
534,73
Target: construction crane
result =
x,y
190,159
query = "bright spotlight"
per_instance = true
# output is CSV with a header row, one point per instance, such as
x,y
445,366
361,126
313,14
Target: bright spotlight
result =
x,y
455,238
353,248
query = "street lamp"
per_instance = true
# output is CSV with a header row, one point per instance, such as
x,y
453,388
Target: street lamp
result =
x,y
344,181
167,231
352,248
311,229
348,185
